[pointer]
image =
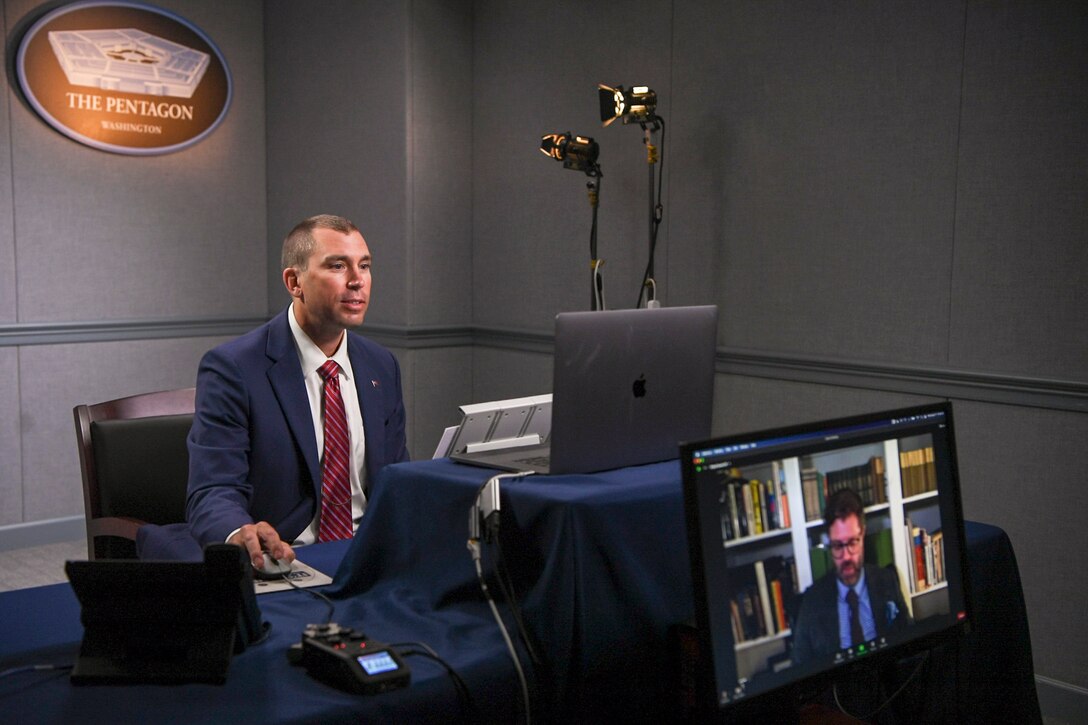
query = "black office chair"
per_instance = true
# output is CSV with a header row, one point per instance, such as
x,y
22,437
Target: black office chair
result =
x,y
135,466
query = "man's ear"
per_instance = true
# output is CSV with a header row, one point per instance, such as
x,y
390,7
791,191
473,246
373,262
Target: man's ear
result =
x,y
291,282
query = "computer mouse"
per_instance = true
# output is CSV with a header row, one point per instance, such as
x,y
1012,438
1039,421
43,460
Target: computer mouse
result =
x,y
273,568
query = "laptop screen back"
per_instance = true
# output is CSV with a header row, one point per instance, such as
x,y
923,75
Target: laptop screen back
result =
x,y
629,385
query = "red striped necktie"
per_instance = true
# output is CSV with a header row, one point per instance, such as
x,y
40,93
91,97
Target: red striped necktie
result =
x,y
336,521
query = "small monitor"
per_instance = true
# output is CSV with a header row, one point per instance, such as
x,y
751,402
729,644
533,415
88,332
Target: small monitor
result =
x,y
164,621
821,547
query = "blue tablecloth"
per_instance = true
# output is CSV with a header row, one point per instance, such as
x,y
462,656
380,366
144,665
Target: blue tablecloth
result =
x,y
600,565
599,562
41,626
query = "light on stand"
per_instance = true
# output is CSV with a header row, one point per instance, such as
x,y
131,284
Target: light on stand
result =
x,y
579,153
636,105
639,105
576,152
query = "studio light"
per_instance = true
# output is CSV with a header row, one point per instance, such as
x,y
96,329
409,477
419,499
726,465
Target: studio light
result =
x,y
580,153
637,104
576,152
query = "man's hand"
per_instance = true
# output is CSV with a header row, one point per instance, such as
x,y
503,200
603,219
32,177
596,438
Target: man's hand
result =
x,y
260,537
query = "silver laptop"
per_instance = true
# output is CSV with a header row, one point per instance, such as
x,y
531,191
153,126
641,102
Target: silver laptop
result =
x,y
628,387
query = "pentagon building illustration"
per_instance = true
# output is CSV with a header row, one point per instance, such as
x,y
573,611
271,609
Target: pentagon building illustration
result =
x,y
129,60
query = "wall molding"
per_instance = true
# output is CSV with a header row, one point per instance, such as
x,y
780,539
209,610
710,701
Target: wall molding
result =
x,y
41,533
924,380
1064,702
913,379
420,337
69,333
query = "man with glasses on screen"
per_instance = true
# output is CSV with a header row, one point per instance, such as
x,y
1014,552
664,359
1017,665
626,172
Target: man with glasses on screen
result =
x,y
854,604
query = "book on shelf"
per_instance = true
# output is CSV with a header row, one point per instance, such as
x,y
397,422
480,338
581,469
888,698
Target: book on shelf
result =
x,y
777,593
867,480
917,471
735,619
814,493
937,542
925,557
770,623
819,561
752,506
744,509
731,509
760,594
727,513
878,479
879,549
770,520
919,537
782,575
908,473
759,506
778,477
745,595
930,468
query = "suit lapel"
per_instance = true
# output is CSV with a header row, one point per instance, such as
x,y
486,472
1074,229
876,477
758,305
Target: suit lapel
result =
x,y
285,376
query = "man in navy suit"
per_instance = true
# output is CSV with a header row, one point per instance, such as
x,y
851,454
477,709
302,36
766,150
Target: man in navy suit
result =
x,y
255,447
855,603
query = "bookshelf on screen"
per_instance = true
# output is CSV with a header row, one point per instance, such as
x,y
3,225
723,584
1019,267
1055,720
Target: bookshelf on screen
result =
x,y
754,505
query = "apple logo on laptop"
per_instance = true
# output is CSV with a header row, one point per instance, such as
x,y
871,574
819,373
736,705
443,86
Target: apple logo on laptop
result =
x,y
639,386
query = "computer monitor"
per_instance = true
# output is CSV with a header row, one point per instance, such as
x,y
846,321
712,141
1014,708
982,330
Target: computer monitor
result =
x,y
770,576
164,621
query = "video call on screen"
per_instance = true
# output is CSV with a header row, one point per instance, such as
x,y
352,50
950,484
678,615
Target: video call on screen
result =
x,y
765,543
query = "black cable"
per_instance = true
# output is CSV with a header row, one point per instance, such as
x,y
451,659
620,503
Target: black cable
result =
x,y
463,693
490,524
506,584
596,281
866,717
491,533
312,592
509,593
474,548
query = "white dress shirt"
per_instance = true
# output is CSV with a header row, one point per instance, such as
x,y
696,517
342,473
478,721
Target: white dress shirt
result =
x,y
312,358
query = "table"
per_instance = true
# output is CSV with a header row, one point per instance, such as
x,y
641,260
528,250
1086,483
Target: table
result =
x,y
41,625
601,567
599,563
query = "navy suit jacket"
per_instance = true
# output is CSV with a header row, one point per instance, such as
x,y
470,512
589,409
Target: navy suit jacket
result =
x,y
252,449
816,629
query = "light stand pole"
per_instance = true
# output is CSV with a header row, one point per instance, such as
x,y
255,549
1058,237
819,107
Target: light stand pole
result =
x,y
656,211
579,153
638,105
596,282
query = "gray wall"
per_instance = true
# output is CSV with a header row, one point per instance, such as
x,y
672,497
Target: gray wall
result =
x,y
377,127
118,272
886,200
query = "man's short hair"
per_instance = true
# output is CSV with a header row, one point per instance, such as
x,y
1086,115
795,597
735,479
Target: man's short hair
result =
x,y
842,504
300,242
